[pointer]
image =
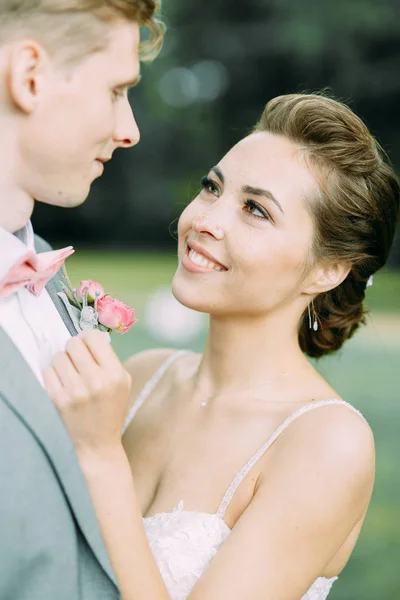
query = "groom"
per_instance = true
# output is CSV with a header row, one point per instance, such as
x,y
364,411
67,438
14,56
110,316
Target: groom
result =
x,y
65,69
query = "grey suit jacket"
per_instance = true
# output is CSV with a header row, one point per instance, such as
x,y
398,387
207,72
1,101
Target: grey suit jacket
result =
x,y
50,543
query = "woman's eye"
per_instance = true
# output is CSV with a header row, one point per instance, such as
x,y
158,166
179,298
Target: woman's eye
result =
x,y
254,209
209,186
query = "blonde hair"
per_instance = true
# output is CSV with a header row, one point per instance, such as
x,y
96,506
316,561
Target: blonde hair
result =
x,y
69,29
355,211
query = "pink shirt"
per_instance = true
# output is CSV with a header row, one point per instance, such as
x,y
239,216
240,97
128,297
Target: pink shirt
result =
x,y
32,322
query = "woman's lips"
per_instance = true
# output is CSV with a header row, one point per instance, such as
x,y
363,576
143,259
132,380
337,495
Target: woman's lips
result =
x,y
196,262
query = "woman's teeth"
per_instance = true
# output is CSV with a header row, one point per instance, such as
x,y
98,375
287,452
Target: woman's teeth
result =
x,y
202,261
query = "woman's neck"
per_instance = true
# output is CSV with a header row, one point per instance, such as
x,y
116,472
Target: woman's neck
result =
x,y
245,353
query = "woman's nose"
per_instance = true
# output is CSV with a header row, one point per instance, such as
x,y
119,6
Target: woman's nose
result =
x,y
204,224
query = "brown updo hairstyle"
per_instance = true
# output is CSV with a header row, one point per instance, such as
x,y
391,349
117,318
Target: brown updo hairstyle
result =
x,y
355,211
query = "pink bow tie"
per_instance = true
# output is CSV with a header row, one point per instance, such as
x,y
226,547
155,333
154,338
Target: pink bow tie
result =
x,y
33,271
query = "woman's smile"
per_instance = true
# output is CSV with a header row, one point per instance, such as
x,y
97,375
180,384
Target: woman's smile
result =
x,y
198,260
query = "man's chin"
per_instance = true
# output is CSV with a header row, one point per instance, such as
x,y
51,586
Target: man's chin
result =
x,y
70,201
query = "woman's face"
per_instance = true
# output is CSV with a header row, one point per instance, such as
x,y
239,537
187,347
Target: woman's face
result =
x,y
245,239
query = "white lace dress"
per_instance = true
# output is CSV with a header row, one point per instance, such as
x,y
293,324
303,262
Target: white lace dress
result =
x,y
184,542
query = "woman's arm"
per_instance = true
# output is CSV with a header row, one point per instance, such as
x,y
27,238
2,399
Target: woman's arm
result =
x,y
112,491
92,392
316,487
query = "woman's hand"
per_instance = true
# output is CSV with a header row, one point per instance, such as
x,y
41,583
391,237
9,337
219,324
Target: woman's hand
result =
x,y
91,390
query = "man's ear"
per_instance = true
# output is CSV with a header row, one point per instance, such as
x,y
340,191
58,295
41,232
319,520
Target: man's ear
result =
x,y
28,62
326,277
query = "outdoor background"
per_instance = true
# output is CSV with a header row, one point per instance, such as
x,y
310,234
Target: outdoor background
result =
x,y
222,61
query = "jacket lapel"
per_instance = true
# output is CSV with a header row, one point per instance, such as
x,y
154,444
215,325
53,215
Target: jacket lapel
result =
x,y
22,392
54,286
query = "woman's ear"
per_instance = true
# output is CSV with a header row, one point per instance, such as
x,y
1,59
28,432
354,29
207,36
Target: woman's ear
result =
x,y
27,65
326,277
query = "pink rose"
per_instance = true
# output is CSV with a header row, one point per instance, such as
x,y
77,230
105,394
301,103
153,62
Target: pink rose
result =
x,y
115,314
94,291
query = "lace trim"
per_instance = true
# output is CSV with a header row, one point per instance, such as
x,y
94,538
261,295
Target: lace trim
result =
x,y
150,385
253,460
184,543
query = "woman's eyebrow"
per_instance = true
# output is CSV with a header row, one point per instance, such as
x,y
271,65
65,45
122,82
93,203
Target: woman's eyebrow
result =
x,y
219,174
255,191
248,189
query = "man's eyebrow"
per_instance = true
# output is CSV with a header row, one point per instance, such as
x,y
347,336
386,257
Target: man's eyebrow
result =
x,y
219,174
255,191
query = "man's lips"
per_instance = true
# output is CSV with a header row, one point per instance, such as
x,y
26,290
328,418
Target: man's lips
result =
x,y
101,161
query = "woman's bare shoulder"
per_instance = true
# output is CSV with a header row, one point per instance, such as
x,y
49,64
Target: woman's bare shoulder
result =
x,y
331,439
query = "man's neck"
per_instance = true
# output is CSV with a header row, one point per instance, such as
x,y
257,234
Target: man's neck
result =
x,y
15,209
16,205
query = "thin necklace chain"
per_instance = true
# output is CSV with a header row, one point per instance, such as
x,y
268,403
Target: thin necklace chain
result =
x,y
241,389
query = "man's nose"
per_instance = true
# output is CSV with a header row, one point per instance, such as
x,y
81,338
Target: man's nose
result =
x,y
127,132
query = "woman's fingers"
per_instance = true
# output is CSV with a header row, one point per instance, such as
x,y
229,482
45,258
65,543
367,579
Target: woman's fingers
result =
x,y
69,376
78,373
99,345
83,360
89,369
91,390
54,387
114,378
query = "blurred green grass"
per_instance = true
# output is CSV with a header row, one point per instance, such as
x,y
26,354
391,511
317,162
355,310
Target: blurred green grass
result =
x,y
365,372
139,272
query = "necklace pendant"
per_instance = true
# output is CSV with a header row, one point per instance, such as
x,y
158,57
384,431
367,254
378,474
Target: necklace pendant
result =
x,y
203,404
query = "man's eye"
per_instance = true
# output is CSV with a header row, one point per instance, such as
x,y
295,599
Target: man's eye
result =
x,y
209,186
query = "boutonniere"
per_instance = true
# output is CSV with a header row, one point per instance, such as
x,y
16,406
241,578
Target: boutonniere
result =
x,y
91,308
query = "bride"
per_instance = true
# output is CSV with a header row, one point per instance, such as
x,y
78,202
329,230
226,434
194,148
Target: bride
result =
x,y
241,473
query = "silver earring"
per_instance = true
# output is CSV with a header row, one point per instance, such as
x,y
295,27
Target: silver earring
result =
x,y
313,325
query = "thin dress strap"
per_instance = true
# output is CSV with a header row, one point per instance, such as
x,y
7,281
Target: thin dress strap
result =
x,y
256,457
150,385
